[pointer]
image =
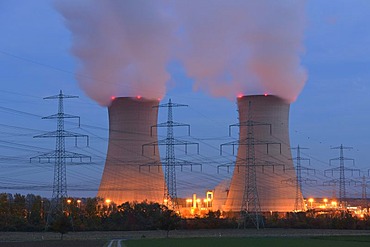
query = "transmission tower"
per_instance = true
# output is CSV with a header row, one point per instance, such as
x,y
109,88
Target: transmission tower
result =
x,y
342,181
251,208
170,162
60,156
299,180
364,184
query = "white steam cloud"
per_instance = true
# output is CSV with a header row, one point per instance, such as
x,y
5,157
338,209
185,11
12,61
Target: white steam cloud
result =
x,y
244,47
228,47
123,46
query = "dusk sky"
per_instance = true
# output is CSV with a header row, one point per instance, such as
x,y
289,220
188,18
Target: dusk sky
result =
x,y
36,61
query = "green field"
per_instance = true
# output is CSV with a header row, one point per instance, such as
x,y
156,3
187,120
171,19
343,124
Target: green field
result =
x,y
352,241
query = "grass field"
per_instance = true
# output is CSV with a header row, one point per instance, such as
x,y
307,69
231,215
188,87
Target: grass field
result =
x,y
193,238
358,241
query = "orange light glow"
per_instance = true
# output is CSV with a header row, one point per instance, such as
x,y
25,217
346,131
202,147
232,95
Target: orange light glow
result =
x,y
108,201
138,97
113,97
240,95
266,94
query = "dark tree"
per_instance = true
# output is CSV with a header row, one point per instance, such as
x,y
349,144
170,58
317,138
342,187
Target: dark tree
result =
x,y
61,224
169,220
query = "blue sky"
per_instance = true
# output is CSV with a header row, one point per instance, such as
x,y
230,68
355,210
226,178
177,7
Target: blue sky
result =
x,y
35,62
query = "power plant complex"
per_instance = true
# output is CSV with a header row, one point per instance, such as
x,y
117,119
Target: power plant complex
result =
x,y
263,145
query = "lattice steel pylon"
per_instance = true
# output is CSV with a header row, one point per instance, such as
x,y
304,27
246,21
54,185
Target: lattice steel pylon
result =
x,y
364,184
170,162
251,203
342,181
299,180
59,156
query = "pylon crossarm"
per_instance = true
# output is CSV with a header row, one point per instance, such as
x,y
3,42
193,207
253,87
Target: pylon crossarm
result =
x,y
308,170
174,142
309,181
254,142
169,124
339,169
224,165
249,124
342,159
55,155
64,133
262,166
353,182
233,144
257,163
331,171
152,164
61,115
304,180
248,142
331,182
61,96
153,144
170,104
183,163
336,181
303,168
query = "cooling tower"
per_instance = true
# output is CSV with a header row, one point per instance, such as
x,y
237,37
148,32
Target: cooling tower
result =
x,y
274,195
124,177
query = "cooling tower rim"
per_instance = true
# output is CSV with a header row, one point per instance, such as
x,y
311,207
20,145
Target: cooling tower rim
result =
x,y
259,96
117,99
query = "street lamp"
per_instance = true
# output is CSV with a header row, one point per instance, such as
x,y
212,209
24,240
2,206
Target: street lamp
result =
x,y
198,202
69,201
325,200
79,203
188,202
311,201
108,201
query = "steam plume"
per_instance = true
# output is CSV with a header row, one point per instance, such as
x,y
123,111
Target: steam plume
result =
x,y
123,46
228,47
244,47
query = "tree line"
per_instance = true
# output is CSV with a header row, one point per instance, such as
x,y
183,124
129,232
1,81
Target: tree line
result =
x,y
29,213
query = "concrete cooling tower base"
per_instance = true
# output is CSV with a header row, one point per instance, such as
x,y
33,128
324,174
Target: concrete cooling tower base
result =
x,y
130,121
273,194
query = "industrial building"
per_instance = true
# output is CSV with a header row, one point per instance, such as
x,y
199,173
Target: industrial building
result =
x,y
130,122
